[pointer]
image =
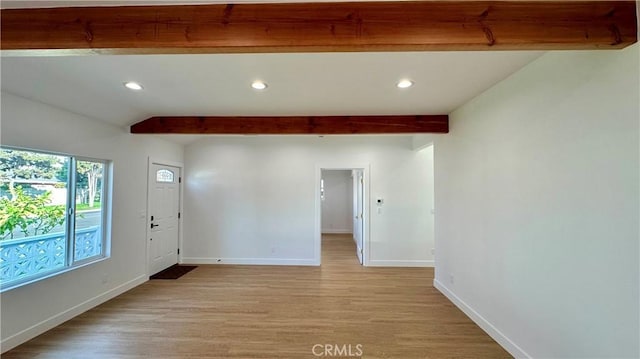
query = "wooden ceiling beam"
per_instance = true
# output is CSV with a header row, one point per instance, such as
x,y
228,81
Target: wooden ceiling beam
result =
x,y
320,27
296,125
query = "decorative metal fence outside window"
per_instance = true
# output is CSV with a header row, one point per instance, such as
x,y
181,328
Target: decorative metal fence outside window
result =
x,y
23,258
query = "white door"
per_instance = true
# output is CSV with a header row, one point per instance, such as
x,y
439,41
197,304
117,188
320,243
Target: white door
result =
x,y
359,223
354,206
164,208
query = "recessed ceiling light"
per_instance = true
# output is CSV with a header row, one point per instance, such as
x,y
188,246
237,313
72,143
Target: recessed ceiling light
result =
x,y
133,86
403,84
258,85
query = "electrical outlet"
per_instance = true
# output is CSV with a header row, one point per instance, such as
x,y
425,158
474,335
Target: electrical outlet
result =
x,y
433,251
105,279
451,279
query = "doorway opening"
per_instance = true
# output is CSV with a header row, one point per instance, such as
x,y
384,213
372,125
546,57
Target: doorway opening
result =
x,y
163,215
341,215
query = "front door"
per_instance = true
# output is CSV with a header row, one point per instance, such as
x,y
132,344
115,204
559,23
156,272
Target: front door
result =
x,y
164,208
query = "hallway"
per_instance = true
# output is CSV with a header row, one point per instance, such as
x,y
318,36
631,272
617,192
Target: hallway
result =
x,y
339,250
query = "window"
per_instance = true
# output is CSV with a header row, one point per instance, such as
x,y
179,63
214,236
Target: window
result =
x,y
52,214
164,176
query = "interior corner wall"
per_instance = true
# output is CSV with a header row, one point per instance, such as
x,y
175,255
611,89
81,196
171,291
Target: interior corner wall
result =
x,y
30,310
252,200
337,206
537,198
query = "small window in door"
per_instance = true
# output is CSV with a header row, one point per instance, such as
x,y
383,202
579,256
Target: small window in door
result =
x,y
164,176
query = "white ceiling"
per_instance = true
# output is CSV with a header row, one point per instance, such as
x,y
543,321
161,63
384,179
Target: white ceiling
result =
x,y
299,84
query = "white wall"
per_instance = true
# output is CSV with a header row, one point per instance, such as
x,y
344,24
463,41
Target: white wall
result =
x,y
34,308
537,207
337,207
252,199
420,141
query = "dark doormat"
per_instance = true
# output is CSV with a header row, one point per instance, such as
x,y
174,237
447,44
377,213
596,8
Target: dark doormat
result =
x,y
174,272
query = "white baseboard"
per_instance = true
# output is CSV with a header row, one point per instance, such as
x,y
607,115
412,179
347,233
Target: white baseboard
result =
x,y
52,322
396,263
251,261
484,324
336,231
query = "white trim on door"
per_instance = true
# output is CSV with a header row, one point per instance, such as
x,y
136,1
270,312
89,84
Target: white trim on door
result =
x,y
151,161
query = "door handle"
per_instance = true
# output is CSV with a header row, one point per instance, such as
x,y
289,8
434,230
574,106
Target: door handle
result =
x,y
154,225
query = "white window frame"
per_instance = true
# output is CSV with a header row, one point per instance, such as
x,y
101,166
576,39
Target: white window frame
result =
x,y
105,203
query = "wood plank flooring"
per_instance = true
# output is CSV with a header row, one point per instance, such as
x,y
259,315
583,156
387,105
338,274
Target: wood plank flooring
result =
x,y
274,312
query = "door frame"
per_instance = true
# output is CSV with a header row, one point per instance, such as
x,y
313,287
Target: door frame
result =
x,y
150,162
358,193
365,168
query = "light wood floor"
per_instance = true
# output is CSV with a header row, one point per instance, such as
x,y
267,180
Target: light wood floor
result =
x,y
273,312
